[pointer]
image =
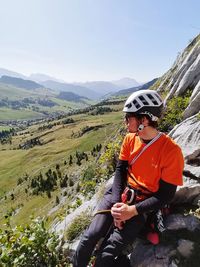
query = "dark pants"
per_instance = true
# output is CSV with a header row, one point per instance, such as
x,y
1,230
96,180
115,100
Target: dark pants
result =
x,y
116,241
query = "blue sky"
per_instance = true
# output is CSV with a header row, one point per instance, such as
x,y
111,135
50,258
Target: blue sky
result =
x,y
85,40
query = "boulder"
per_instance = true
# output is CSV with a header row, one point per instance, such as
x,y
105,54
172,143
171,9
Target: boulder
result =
x,y
145,255
185,247
179,221
193,106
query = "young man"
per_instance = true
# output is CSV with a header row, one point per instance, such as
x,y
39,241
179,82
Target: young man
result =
x,y
151,165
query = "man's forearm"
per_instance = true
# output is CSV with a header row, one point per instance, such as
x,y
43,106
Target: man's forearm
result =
x,y
164,195
119,182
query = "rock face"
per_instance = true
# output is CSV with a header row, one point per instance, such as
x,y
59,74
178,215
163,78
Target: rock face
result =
x,y
187,135
147,255
183,76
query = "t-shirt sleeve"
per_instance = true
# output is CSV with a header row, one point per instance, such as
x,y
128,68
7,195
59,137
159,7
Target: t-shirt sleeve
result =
x,y
173,164
124,152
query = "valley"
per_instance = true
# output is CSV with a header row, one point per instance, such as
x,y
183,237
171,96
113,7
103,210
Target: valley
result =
x,y
51,143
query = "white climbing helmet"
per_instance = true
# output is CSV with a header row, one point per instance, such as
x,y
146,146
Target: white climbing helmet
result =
x,y
144,102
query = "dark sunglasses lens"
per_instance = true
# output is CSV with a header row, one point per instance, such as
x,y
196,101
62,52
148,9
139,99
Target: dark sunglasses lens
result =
x,y
127,116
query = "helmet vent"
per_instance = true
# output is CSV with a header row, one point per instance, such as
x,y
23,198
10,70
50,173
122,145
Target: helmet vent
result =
x,y
152,98
136,104
144,101
154,101
129,105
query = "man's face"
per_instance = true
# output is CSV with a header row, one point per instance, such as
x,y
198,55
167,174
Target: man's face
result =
x,y
132,123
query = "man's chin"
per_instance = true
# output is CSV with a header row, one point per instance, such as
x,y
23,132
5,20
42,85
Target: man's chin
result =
x,y
131,131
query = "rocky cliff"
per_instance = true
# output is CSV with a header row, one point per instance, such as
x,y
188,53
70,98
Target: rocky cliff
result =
x,y
184,76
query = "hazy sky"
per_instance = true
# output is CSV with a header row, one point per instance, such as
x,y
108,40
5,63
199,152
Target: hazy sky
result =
x,y
79,40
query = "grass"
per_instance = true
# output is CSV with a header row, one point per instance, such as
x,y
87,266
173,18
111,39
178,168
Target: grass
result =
x,y
77,226
21,114
13,93
15,163
35,110
4,128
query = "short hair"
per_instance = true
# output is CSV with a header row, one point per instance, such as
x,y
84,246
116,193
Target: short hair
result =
x,y
153,124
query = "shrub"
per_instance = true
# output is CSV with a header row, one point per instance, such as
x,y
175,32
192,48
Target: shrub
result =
x,y
174,112
77,226
88,187
89,173
31,245
109,158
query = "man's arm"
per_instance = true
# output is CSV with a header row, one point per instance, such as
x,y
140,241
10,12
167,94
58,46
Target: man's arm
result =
x,y
163,196
122,212
120,179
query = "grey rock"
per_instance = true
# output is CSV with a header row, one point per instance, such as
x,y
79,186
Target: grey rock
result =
x,y
87,206
189,193
185,247
145,255
184,75
191,74
179,221
187,135
193,106
185,71
174,263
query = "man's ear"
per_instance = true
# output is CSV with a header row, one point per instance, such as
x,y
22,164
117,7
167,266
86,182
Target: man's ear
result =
x,y
145,120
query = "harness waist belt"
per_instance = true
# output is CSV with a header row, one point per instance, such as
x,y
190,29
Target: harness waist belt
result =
x,y
132,195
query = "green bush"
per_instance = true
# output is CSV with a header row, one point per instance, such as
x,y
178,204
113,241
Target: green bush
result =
x,y
174,112
77,226
110,157
89,173
28,246
88,187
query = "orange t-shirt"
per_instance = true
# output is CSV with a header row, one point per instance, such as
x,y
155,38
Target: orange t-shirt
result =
x,y
161,160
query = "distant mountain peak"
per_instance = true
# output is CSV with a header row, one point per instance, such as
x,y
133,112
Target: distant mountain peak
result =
x,y
40,77
69,96
126,82
21,83
11,73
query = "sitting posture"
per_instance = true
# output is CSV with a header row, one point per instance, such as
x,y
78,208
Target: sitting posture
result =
x,y
149,169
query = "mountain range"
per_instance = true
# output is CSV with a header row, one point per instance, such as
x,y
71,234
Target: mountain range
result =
x,y
21,83
93,89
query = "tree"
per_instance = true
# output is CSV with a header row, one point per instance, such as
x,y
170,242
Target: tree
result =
x,y
49,194
57,200
57,166
78,162
63,182
71,183
70,160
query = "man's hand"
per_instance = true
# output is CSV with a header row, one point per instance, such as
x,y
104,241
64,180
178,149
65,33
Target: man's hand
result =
x,y
122,212
119,224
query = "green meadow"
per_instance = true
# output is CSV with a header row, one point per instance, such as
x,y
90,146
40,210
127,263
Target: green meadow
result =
x,y
58,143
9,93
